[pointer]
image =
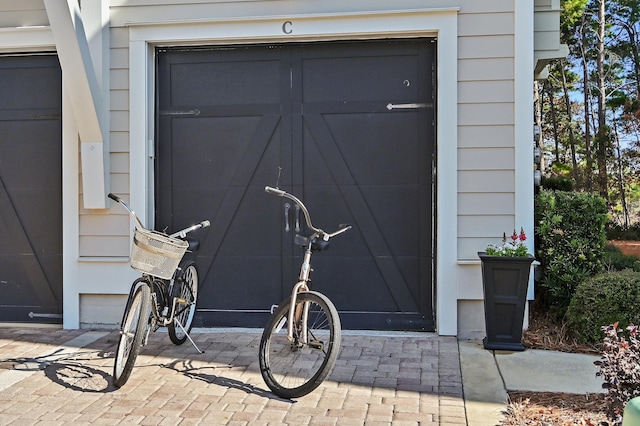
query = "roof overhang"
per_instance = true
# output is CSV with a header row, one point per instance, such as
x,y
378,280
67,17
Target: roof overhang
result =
x,y
546,33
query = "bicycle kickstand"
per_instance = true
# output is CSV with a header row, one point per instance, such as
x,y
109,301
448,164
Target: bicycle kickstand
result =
x,y
187,334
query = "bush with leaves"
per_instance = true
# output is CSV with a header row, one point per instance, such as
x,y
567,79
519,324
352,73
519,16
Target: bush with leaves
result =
x,y
616,231
604,299
557,183
615,260
570,240
619,367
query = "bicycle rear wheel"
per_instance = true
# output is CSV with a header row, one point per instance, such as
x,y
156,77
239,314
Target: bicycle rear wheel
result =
x,y
292,369
134,326
186,290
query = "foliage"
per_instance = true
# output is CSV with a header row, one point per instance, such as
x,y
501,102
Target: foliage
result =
x,y
571,12
620,368
606,298
615,260
589,106
557,183
615,231
512,247
570,243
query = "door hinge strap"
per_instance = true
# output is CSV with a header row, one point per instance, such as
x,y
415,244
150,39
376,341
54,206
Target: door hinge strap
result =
x,y
408,106
187,112
39,315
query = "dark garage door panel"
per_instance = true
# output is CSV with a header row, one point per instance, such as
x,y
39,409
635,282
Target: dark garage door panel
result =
x,y
31,189
340,149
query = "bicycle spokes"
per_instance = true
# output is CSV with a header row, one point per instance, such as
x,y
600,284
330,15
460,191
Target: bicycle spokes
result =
x,y
293,367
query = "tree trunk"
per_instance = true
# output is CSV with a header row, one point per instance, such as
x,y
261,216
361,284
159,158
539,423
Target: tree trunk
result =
x,y
623,195
554,120
602,134
635,55
572,141
587,112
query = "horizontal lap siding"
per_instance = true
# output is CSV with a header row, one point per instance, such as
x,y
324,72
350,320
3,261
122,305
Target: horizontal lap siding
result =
x,y
22,13
108,235
486,149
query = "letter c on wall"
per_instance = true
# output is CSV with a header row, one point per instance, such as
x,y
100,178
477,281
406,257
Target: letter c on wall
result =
x,y
286,27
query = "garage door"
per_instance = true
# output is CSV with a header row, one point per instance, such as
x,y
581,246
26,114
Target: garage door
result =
x,y
347,127
30,189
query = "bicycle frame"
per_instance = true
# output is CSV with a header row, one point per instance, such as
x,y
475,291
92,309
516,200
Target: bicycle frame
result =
x,y
305,269
160,319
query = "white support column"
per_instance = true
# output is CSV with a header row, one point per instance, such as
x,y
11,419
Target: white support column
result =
x,y
70,218
524,76
95,15
84,94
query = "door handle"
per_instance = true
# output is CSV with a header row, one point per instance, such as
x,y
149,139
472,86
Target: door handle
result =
x,y
287,206
297,218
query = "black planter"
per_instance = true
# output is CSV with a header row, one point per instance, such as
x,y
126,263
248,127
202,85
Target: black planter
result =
x,y
504,282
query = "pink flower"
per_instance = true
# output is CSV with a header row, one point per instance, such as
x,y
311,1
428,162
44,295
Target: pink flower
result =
x,y
522,236
513,245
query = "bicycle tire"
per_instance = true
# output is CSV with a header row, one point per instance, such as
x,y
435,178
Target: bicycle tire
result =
x,y
293,369
185,288
132,330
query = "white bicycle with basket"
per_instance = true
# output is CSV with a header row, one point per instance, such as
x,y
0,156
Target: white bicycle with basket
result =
x,y
164,296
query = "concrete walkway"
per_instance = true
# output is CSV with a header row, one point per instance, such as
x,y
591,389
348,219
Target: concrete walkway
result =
x,y
487,375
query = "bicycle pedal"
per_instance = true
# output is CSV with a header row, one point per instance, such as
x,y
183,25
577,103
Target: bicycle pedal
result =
x,y
316,344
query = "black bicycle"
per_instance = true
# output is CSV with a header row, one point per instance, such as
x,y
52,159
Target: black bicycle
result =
x,y
164,296
301,341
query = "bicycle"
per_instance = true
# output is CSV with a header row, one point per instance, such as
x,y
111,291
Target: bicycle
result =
x,y
164,296
301,341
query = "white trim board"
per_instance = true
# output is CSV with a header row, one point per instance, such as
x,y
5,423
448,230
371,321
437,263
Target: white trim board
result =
x,y
439,23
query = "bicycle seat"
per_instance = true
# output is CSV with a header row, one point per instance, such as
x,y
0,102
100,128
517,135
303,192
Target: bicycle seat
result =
x,y
194,244
316,245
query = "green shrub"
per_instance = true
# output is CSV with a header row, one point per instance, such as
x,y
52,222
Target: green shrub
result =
x,y
557,183
616,231
615,260
570,240
602,300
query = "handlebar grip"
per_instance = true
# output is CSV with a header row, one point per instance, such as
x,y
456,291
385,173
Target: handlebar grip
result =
x,y
205,223
114,197
274,191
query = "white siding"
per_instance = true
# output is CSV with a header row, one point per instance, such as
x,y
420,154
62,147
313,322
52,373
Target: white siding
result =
x,y
481,204
488,46
485,159
485,136
23,13
485,91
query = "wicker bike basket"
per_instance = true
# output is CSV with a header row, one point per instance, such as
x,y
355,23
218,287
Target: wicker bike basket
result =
x,y
156,254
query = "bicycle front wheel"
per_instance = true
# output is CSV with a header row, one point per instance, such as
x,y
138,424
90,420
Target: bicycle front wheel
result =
x,y
185,289
134,325
294,368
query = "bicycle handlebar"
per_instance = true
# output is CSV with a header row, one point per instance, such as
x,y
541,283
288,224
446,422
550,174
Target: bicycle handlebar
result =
x,y
185,231
325,235
129,209
181,234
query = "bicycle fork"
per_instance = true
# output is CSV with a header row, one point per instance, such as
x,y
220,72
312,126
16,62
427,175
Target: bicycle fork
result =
x,y
294,312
